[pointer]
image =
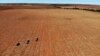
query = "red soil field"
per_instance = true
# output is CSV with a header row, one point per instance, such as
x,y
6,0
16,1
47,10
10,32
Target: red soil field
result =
x,y
51,32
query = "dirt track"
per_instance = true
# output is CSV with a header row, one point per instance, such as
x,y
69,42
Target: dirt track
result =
x,y
60,32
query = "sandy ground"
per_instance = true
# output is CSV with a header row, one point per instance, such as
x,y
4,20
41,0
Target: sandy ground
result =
x,y
52,32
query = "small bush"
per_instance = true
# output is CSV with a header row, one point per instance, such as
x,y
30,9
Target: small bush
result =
x,y
57,6
91,10
97,10
84,9
28,41
67,8
36,39
17,44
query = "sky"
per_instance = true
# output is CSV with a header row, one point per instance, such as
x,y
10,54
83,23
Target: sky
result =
x,y
97,2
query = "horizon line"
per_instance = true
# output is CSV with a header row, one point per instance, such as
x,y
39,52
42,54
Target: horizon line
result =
x,y
50,3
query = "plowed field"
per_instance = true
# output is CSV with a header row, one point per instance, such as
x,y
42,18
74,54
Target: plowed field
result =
x,y
51,32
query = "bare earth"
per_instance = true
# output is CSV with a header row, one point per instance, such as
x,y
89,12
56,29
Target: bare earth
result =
x,y
52,32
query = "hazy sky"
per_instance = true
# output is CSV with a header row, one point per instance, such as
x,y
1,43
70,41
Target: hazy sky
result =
x,y
52,1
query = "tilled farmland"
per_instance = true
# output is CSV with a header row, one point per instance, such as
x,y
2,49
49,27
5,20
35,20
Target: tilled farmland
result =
x,y
49,32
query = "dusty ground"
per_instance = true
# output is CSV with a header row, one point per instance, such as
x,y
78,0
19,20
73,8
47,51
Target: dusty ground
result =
x,y
52,32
